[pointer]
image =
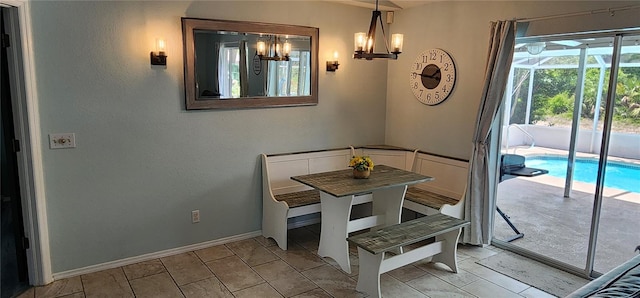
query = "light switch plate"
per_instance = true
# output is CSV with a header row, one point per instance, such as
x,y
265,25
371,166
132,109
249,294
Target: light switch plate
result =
x,y
62,140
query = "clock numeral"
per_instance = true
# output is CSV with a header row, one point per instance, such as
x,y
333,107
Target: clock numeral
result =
x,y
449,77
444,88
429,97
432,55
437,95
415,85
420,95
424,59
441,56
446,66
418,66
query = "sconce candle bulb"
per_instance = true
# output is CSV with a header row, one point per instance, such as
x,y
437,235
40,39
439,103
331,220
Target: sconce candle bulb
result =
x,y
159,57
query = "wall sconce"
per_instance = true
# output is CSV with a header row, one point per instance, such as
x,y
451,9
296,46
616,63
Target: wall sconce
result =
x,y
159,57
333,65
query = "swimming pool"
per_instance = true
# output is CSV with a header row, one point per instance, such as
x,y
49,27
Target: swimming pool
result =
x,y
618,175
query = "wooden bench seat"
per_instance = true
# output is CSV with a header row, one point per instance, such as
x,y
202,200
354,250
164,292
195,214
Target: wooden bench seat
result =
x,y
443,195
428,198
373,246
299,198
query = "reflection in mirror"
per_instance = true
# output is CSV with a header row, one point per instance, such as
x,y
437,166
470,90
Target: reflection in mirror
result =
x,y
231,64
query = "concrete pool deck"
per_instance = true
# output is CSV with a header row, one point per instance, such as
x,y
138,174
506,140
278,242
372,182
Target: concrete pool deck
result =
x,y
558,227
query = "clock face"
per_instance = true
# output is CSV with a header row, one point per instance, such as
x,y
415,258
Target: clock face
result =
x,y
432,76
257,64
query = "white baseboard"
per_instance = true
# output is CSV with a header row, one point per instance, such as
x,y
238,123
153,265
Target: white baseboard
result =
x,y
153,255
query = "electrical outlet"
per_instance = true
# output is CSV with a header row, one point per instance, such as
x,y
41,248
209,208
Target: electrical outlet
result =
x,y
195,216
62,140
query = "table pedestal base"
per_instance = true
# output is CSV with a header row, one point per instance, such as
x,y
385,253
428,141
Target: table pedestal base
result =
x,y
336,224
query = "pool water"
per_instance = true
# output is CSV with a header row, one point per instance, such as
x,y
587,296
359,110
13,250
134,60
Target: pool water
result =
x,y
618,175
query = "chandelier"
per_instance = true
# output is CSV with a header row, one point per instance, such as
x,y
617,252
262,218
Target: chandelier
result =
x,y
270,48
364,42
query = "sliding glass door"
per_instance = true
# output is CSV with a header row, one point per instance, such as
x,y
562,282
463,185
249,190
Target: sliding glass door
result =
x,y
617,233
562,117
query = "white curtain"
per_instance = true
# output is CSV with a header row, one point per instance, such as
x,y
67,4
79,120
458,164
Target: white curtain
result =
x,y
215,81
483,177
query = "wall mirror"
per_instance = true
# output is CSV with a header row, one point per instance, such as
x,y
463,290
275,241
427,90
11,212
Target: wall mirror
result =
x,y
234,64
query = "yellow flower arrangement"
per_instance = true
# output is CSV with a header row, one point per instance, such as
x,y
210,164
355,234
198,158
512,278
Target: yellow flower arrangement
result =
x,y
361,163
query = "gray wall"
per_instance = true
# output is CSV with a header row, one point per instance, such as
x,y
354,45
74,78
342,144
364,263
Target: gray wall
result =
x,y
143,162
462,29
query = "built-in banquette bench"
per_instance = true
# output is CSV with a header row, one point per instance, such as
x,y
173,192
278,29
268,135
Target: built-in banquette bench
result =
x,y
445,194
284,199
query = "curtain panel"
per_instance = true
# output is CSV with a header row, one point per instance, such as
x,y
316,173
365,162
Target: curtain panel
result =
x,y
483,177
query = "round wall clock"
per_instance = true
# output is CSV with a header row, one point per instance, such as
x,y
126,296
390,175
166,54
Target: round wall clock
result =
x,y
432,76
257,64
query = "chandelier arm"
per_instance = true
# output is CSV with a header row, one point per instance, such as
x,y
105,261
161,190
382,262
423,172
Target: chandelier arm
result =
x,y
384,35
371,36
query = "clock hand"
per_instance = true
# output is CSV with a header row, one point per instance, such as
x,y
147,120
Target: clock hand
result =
x,y
425,75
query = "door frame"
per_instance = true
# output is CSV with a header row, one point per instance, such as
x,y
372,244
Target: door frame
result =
x,y
27,131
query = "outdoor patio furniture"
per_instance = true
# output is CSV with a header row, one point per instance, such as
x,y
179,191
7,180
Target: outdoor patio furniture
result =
x,y
512,166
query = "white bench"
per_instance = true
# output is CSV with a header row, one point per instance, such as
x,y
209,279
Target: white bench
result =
x,y
283,198
445,194
373,247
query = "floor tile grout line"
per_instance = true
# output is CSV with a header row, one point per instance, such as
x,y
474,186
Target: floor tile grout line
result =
x,y
250,267
210,270
125,276
266,244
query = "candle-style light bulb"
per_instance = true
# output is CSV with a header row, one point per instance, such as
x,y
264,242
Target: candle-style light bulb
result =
x,y
261,48
359,41
286,49
161,46
396,42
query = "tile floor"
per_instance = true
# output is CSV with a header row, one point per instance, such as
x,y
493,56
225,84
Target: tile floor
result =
x,y
258,268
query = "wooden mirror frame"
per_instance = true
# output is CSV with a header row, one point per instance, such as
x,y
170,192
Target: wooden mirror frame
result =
x,y
194,102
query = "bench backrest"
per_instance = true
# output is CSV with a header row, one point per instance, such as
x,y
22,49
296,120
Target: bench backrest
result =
x,y
401,159
281,167
450,174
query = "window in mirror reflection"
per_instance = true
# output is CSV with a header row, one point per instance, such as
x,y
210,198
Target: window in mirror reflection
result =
x,y
229,72
290,78
228,66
